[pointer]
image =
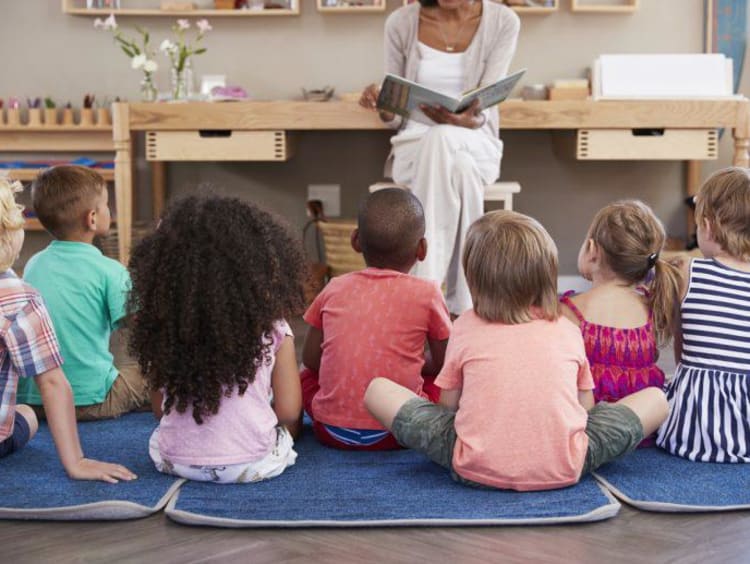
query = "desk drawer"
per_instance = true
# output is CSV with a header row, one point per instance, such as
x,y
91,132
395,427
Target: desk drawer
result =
x,y
647,144
217,145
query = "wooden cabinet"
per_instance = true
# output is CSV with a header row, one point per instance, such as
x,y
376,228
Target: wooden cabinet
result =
x,y
78,8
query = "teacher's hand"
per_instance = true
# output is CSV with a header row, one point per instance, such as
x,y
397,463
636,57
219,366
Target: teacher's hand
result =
x,y
471,117
369,100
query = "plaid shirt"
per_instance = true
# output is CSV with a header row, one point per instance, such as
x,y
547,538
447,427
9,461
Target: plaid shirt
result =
x,y
28,345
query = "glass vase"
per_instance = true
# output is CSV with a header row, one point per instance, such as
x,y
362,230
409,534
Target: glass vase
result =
x,y
149,93
182,81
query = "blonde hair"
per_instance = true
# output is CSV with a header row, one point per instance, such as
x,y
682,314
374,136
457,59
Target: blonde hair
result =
x,y
511,268
11,220
724,200
631,238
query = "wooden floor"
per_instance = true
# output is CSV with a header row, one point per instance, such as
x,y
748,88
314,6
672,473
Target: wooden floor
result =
x,y
632,536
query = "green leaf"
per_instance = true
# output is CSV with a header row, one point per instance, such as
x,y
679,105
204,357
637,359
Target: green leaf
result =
x,y
201,50
128,52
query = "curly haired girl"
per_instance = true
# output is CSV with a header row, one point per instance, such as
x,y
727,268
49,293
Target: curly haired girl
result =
x,y
211,288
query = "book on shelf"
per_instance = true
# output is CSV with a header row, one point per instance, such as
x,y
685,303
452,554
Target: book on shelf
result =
x,y
404,97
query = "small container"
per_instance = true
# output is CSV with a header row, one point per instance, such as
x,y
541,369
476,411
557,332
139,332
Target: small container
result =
x,y
50,117
35,117
102,117
67,116
534,92
14,117
87,117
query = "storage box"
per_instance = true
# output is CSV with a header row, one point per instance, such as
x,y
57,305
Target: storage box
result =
x,y
217,145
647,144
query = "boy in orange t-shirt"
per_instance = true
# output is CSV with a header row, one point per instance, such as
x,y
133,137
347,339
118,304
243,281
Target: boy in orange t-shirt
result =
x,y
516,409
372,323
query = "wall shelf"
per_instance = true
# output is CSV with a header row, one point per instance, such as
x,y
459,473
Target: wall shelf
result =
x,y
71,7
596,7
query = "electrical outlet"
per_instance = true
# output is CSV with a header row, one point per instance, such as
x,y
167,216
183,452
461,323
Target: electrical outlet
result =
x,y
329,194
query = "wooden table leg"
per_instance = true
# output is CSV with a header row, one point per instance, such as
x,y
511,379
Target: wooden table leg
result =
x,y
158,187
741,134
123,177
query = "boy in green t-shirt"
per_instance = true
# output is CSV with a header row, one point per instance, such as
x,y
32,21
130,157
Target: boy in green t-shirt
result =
x,y
86,293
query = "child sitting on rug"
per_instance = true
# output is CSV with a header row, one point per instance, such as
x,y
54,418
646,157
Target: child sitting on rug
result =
x,y
85,292
373,322
29,350
212,287
624,318
516,409
709,396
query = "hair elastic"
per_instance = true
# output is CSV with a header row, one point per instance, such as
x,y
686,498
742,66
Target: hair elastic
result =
x,y
652,258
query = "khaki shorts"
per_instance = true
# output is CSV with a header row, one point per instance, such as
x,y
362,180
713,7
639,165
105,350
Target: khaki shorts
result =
x,y
612,429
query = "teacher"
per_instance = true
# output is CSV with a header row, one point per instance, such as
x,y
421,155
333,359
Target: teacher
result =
x,y
451,46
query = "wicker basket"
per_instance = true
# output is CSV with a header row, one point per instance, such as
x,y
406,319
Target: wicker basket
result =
x,y
340,257
109,244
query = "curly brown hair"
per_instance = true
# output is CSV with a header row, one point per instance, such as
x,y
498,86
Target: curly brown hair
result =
x,y
208,285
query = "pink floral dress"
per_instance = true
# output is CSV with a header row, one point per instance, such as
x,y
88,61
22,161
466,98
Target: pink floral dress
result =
x,y
622,361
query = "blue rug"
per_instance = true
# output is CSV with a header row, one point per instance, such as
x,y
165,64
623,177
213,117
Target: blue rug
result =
x,y
33,484
653,480
330,488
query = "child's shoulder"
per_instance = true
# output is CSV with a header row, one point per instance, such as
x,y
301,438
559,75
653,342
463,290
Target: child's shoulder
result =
x,y
15,293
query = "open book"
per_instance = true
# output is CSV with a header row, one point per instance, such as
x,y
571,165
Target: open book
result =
x,y
403,97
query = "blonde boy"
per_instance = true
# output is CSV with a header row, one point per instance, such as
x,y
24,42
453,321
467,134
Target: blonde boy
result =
x,y
29,350
85,292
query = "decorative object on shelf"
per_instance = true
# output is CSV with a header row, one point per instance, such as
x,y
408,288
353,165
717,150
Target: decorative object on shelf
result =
x,y
14,111
534,92
67,114
87,111
318,95
102,113
106,4
180,54
224,4
210,81
140,53
50,112
569,89
227,94
604,7
35,111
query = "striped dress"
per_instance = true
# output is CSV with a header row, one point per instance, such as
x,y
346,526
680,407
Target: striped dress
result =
x,y
709,399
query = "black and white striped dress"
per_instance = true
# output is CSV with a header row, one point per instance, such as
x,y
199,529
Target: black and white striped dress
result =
x,y
709,397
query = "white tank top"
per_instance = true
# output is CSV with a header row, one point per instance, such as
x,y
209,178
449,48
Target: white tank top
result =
x,y
440,71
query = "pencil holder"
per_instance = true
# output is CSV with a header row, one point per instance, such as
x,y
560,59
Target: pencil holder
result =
x,y
50,117
87,117
14,117
102,117
2,117
67,116
35,117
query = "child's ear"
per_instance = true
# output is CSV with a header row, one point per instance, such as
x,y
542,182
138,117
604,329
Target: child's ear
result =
x,y
355,241
708,230
592,250
90,220
422,249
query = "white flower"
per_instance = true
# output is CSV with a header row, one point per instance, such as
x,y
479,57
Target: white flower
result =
x,y
110,24
150,66
98,23
183,24
167,46
203,26
138,61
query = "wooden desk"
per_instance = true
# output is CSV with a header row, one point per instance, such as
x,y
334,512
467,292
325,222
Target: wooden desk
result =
x,y
732,114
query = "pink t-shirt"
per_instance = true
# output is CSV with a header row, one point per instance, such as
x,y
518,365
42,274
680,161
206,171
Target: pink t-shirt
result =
x,y
519,424
243,430
374,323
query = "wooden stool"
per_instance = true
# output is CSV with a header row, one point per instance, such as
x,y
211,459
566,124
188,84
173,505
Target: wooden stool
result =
x,y
502,192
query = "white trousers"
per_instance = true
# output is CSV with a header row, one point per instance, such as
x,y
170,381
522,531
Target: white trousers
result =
x,y
447,168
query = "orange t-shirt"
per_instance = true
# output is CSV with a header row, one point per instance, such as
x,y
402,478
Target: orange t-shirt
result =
x,y
374,323
519,424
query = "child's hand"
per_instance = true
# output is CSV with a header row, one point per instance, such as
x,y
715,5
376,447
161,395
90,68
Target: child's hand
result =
x,y
87,469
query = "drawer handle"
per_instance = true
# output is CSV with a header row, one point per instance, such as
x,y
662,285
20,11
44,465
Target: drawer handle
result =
x,y
648,132
215,132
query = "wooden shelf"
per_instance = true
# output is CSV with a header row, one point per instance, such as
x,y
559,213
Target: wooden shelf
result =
x,y
524,10
29,174
69,7
591,7
56,128
364,9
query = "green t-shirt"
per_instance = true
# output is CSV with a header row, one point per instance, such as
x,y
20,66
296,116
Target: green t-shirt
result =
x,y
86,295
